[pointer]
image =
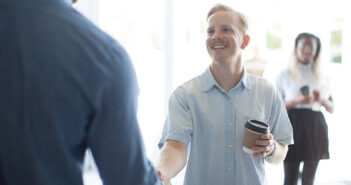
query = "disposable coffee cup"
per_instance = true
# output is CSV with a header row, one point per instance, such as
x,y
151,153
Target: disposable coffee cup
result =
x,y
253,131
305,90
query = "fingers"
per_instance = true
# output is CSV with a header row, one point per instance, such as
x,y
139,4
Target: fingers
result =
x,y
162,178
262,151
262,148
160,175
167,182
264,145
267,136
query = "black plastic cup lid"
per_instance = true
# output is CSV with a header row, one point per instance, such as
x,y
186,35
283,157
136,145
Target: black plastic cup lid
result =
x,y
257,126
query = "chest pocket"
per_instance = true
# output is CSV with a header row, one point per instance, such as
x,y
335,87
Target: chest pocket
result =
x,y
246,113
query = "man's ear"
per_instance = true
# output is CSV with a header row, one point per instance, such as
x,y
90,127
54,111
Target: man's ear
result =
x,y
245,42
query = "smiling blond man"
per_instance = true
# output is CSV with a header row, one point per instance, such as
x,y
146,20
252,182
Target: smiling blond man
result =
x,y
205,124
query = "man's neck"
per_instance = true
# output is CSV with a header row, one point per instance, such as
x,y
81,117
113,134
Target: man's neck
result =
x,y
227,74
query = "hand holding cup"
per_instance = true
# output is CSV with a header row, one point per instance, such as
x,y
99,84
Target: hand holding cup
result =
x,y
258,141
264,146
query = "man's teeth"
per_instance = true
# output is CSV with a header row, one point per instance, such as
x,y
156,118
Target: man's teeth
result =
x,y
218,47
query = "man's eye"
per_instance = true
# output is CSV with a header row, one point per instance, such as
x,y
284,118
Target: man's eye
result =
x,y
225,30
210,32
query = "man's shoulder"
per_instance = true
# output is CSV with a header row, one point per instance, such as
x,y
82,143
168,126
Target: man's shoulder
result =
x,y
94,44
191,85
76,45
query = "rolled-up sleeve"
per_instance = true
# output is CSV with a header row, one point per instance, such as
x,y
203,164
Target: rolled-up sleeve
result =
x,y
282,129
178,125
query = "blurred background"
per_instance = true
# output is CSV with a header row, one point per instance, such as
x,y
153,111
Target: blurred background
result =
x,y
166,41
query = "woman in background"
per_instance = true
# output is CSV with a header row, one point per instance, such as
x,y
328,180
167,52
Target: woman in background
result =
x,y
305,91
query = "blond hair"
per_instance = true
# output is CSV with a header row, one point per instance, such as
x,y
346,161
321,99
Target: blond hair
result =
x,y
243,25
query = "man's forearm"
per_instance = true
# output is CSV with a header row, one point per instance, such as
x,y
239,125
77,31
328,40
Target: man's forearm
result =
x,y
172,159
279,153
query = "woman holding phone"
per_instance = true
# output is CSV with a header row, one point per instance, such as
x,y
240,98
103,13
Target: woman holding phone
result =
x,y
305,91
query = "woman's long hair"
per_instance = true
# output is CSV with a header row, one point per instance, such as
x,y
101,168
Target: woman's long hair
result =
x,y
294,69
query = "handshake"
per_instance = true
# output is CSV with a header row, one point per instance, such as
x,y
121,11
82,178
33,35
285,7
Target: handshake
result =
x,y
163,178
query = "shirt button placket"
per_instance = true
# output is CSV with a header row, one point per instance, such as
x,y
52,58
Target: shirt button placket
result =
x,y
229,139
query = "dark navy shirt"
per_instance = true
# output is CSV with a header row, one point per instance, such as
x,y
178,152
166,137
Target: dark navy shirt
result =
x,y
65,86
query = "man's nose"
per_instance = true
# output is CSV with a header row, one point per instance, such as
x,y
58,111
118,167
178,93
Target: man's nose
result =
x,y
216,35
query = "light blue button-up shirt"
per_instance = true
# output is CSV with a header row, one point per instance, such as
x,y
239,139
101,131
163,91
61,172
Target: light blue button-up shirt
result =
x,y
211,123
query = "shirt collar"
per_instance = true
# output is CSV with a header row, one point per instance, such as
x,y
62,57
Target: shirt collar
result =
x,y
208,80
245,80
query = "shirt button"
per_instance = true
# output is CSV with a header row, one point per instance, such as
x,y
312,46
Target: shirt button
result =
x,y
230,146
230,123
229,168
